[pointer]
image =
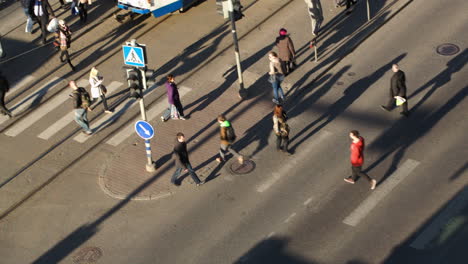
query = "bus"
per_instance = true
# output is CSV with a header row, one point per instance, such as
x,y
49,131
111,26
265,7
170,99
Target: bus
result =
x,y
156,7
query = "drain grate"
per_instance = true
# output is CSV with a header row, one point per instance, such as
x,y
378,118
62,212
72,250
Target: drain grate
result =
x,y
447,49
87,255
244,168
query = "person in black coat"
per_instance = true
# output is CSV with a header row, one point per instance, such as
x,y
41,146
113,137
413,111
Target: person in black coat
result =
x,y
41,9
4,88
397,88
182,161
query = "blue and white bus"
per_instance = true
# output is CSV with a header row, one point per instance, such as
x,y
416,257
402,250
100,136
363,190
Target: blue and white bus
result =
x,y
156,7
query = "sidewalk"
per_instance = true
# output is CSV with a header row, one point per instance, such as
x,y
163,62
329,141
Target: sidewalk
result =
x,y
123,174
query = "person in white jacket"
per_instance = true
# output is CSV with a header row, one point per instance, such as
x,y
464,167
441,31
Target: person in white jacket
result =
x,y
98,90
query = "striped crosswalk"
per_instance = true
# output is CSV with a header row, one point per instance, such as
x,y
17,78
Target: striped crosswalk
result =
x,y
49,98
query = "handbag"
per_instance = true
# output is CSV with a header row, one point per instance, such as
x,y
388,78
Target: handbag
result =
x,y
103,89
52,26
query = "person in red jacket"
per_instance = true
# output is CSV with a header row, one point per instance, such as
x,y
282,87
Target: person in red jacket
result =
x,y
357,159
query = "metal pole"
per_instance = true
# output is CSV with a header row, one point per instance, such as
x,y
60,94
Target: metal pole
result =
x,y
236,49
150,167
368,11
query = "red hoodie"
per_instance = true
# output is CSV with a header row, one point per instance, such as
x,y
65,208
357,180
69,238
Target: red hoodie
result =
x,y
357,153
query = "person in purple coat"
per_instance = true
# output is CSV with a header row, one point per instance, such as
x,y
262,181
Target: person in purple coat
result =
x,y
177,110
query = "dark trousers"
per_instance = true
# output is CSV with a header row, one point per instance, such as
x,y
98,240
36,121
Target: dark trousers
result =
x,y
104,101
43,21
282,142
179,107
349,3
391,104
83,12
357,172
191,172
3,108
67,57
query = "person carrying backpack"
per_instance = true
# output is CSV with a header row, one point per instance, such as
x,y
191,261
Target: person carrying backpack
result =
x,y
81,102
227,136
281,129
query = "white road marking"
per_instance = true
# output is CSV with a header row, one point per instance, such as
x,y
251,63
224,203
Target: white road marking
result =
x,y
27,79
436,226
308,201
301,155
290,217
69,117
154,112
271,234
380,192
30,99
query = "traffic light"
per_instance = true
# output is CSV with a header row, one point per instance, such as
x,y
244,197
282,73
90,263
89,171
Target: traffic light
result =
x,y
133,78
237,10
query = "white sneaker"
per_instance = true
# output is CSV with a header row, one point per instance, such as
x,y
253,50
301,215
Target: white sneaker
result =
x,y
373,184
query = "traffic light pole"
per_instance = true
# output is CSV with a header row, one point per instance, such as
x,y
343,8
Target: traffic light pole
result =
x,y
242,91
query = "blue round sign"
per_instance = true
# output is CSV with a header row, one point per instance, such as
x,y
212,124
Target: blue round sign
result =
x,y
144,129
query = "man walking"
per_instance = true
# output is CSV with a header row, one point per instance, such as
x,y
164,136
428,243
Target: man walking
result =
x,y
4,88
40,9
227,136
81,102
357,159
316,15
397,91
182,161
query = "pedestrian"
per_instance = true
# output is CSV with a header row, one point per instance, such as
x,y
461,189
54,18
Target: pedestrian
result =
x,y
41,9
276,76
4,88
227,136
316,15
177,110
98,90
281,128
348,3
397,91
63,39
286,50
357,159
182,161
29,22
82,6
81,102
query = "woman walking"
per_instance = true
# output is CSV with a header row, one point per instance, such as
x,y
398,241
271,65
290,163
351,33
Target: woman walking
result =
x,y
281,129
82,6
276,77
63,40
286,50
177,110
98,90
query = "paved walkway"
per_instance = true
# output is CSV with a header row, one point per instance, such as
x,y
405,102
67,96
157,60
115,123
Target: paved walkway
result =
x,y
124,176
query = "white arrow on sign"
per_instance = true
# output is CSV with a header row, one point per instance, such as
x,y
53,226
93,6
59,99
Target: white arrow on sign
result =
x,y
145,130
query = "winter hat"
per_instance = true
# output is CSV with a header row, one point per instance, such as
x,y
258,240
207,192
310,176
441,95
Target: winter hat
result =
x,y
283,32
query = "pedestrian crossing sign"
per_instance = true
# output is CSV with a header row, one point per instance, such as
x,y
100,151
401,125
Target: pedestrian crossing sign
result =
x,y
133,56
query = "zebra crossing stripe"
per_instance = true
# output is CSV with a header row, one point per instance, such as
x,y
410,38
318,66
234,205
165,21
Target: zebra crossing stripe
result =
x,y
33,98
153,113
68,118
39,113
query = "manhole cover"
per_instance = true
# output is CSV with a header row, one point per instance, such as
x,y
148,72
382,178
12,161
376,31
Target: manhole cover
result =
x,y
448,49
339,83
243,168
351,73
87,255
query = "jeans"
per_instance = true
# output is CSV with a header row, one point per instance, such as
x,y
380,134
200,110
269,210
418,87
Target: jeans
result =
x,y
357,171
277,90
227,148
103,100
81,117
191,172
